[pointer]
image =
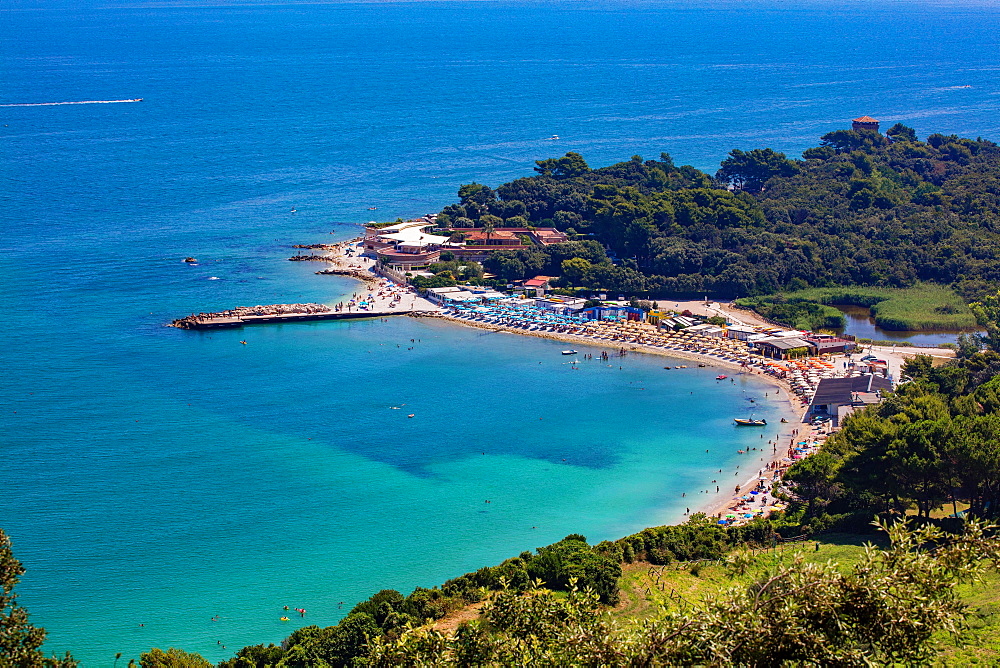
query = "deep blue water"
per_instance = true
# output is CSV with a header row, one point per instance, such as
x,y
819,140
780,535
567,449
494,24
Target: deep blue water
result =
x,y
159,477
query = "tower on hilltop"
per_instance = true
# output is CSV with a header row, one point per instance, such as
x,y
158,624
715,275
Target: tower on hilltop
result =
x,y
865,123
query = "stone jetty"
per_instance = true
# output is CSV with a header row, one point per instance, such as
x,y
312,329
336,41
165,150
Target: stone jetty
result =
x,y
273,313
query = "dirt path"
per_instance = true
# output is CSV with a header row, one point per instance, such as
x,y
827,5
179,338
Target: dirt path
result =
x,y
449,623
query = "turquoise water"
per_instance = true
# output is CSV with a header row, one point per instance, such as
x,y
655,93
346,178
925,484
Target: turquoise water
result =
x,y
160,477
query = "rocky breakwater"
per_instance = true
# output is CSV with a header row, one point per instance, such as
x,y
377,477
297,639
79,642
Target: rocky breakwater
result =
x,y
311,258
242,314
361,274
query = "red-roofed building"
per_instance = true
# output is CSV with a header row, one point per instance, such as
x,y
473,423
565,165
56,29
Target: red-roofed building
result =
x,y
865,123
496,238
538,284
547,236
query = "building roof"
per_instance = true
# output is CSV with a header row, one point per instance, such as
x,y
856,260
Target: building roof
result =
x,y
411,232
865,119
549,235
842,390
785,343
537,281
478,235
460,296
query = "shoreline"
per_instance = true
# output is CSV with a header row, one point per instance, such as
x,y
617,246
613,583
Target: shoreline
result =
x,y
716,503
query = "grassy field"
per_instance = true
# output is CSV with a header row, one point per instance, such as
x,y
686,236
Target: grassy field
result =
x,y
924,307
645,588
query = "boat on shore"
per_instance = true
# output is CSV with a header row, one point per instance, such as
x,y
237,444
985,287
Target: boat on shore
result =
x,y
750,422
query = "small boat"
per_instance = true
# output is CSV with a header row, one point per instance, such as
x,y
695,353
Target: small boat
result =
x,y
553,137
721,376
750,422
190,260
372,208
569,352
411,415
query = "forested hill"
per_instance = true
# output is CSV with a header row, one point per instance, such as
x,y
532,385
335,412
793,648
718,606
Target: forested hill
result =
x,y
861,208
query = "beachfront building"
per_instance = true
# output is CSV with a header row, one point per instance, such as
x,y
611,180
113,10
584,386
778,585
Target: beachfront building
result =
x,y
783,348
437,295
740,333
656,317
613,313
705,329
504,238
537,286
563,305
475,244
839,397
463,295
828,343
404,246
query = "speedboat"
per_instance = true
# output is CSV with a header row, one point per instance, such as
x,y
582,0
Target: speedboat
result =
x,y
750,422
569,352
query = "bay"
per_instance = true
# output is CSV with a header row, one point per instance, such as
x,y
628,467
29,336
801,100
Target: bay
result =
x,y
160,477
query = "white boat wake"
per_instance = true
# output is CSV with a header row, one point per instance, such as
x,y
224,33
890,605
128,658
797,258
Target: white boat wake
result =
x,y
54,104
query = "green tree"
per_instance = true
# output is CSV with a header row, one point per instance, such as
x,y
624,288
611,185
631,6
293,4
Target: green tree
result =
x,y
900,132
172,658
987,312
575,269
255,656
570,165
338,645
751,170
20,641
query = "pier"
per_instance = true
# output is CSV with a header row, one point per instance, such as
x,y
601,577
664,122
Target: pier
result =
x,y
275,313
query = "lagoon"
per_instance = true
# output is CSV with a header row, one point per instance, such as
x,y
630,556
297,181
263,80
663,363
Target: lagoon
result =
x,y
861,324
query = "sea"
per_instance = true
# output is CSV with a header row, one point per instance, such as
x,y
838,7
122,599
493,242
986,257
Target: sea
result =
x,y
177,489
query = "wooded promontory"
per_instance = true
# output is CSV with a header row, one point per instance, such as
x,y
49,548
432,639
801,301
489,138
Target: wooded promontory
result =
x,y
862,208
